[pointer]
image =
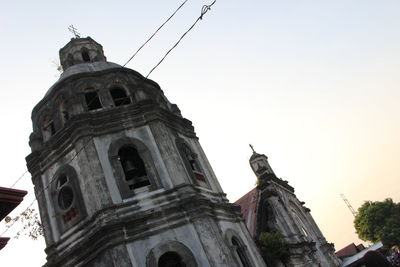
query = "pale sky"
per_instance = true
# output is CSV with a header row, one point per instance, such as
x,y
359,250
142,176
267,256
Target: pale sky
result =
x,y
313,84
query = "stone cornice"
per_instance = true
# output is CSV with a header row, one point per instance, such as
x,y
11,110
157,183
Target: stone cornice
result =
x,y
9,199
52,94
104,122
272,179
126,222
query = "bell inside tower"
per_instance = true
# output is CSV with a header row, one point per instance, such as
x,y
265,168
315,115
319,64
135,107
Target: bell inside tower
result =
x,y
134,169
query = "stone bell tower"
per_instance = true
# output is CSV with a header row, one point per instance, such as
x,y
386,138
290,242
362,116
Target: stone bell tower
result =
x,y
120,176
273,207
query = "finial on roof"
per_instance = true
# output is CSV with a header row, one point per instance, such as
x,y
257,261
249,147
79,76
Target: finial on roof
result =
x,y
252,148
74,31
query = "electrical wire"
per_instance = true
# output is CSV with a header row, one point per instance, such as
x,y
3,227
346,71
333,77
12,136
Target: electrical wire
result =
x,y
47,186
22,175
159,28
204,10
51,181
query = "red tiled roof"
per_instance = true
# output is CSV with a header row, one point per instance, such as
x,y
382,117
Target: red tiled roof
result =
x,y
349,250
360,247
9,199
3,241
248,206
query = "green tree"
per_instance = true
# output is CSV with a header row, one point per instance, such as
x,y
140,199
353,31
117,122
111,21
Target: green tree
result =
x,y
274,247
379,221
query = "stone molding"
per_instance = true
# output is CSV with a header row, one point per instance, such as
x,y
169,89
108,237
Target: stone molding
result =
x,y
102,123
124,223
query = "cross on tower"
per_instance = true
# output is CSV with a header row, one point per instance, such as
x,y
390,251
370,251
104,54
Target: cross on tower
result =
x,y
72,29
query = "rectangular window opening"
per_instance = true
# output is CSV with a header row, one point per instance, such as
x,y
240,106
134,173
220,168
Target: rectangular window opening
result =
x,y
92,100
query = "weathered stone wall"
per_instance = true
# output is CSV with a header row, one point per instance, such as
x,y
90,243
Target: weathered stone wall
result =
x,y
90,214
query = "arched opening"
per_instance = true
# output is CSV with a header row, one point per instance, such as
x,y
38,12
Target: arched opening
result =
x,y
65,198
306,229
92,100
64,112
61,181
240,252
134,168
194,164
171,259
85,55
49,128
171,253
119,96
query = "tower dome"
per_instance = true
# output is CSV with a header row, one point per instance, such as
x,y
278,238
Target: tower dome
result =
x,y
81,50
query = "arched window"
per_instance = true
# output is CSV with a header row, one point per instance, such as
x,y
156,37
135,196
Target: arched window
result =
x,y
48,127
119,96
301,222
171,259
85,55
133,166
67,198
171,253
192,164
64,112
239,249
92,99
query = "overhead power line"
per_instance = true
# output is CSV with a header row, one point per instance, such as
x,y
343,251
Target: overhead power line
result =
x,y
19,178
51,181
47,186
159,28
25,172
204,10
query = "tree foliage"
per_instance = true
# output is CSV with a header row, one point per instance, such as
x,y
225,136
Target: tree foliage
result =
x,y
274,246
379,221
29,220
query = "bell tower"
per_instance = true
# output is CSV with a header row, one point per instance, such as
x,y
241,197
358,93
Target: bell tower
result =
x,y
120,176
273,207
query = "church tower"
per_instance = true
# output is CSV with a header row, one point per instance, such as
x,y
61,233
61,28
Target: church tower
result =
x,y
273,207
120,176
